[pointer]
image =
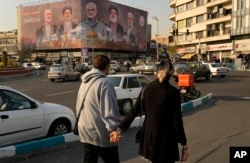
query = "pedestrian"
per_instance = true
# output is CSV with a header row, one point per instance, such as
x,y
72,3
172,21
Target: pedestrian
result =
x,y
162,129
100,116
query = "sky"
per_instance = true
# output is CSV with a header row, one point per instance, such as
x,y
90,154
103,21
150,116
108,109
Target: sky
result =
x,y
158,8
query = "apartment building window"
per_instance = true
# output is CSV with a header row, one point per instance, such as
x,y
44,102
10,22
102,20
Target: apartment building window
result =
x,y
199,34
199,18
241,4
180,8
189,22
240,22
199,3
190,5
213,30
180,24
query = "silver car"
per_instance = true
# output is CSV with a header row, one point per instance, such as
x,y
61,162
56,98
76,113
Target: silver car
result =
x,y
63,73
149,68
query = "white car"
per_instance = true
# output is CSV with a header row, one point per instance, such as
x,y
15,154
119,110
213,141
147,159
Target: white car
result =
x,y
39,66
23,118
115,65
28,66
136,67
217,69
128,87
64,73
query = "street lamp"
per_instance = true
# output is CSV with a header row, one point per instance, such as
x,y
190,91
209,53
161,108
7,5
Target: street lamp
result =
x,y
155,18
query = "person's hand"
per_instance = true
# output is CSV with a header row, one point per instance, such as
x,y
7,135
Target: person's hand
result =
x,y
115,137
184,154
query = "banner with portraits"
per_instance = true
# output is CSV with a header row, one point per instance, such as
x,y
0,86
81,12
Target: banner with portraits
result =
x,y
98,24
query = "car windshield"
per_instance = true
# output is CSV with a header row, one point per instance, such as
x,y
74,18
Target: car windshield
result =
x,y
180,65
57,69
215,65
115,80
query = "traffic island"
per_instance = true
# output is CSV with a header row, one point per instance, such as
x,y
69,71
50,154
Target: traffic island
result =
x,y
14,72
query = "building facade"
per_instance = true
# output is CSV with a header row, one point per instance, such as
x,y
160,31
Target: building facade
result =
x,y
204,28
213,29
8,42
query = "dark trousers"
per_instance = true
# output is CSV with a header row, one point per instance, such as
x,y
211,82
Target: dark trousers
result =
x,y
92,152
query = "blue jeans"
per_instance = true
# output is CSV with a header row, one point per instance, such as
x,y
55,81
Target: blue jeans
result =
x,y
92,152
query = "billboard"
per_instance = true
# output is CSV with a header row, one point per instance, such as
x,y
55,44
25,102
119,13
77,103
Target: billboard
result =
x,y
79,24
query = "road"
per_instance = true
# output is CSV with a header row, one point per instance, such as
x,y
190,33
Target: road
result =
x,y
211,129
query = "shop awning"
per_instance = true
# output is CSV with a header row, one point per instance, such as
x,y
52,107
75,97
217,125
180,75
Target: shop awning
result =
x,y
188,56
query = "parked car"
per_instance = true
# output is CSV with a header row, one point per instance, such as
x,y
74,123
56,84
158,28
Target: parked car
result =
x,y
195,68
28,66
115,65
136,67
149,68
22,118
63,73
128,87
39,66
217,69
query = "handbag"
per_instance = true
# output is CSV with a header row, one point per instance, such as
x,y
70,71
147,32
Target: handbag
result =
x,y
138,133
75,130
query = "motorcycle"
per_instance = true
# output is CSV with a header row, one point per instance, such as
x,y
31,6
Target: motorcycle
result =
x,y
190,92
187,88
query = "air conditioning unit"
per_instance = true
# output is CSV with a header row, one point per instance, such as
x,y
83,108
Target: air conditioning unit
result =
x,y
222,11
216,9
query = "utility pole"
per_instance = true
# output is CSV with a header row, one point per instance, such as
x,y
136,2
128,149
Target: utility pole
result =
x,y
157,49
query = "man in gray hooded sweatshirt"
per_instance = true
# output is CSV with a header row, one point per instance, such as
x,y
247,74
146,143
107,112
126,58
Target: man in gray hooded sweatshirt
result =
x,y
100,115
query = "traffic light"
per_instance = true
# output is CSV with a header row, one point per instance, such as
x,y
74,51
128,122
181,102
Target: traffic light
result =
x,y
187,33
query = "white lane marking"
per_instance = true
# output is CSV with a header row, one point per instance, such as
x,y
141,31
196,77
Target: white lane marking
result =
x,y
247,98
9,85
55,94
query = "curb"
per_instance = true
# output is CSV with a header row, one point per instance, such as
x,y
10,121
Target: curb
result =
x,y
70,137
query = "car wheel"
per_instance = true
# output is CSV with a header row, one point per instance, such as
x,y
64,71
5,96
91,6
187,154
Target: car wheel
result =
x,y
126,106
211,75
59,127
208,76
222,76
197,92
65,79
52,80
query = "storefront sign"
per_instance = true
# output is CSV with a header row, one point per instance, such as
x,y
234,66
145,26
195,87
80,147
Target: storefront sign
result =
x,y
219,47
242,45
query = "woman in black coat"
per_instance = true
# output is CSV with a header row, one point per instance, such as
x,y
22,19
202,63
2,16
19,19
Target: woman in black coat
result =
x,y
163,126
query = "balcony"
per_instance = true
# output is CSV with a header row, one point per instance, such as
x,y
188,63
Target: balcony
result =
x,y
217,2
217,38
172,17
172,3
221,19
